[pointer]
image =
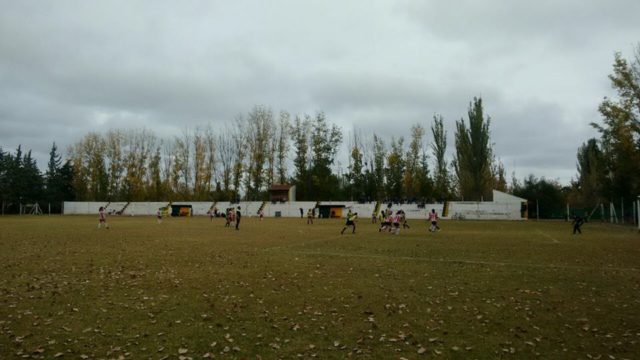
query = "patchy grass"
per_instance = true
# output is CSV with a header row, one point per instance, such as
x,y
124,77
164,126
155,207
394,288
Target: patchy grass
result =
x,y
282,289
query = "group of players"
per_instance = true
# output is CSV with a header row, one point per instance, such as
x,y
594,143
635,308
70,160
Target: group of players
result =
x,y
388,220
391,222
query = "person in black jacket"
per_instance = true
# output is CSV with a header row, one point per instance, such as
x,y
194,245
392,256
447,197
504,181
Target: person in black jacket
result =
x,y
577,223
238,216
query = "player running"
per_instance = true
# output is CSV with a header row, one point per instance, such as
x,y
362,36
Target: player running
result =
x,y
396,223
577,223
310,217
238,216
351,221
159,216
102,218
433,217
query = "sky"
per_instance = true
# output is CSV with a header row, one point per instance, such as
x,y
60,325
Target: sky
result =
x,y
71,67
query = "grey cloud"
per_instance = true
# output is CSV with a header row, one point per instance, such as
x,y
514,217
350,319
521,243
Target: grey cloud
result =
x,y
68,68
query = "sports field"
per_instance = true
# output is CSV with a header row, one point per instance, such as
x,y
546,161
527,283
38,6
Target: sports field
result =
x,y
190,288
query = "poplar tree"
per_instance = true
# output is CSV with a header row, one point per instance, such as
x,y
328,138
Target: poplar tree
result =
x,y
438,149
473,159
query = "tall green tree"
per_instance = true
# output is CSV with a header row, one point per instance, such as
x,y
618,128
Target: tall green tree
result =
x,y
394,172
282,146
300,136
378,167
355,175
473,159
591,175
325,141
413,170
442,183
620,130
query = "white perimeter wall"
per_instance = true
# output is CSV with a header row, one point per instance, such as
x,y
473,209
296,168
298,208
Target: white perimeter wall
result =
x,y
457,209
82,208
144,208
484,210
289,209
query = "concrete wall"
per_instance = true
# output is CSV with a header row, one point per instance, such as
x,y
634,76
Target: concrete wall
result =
x,y
457,209
467,210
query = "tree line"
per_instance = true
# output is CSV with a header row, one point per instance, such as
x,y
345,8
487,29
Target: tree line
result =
x,y
260,148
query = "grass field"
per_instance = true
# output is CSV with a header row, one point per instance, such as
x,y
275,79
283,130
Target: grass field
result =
x,y
190,288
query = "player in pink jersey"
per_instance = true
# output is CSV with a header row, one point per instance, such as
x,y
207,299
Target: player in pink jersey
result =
x,y
433,217
396,222
102,218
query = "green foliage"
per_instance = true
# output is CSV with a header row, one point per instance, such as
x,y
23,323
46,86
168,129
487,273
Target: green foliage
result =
x,y
414,171
20,178
547,194
591,174
325,141
473,159
355,176
442,183
300,136
394,172
620,133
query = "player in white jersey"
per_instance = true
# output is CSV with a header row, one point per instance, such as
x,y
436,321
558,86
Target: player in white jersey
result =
x,y
433,217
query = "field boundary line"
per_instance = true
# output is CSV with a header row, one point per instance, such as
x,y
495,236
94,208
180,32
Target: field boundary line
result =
x,y
461,261
547,236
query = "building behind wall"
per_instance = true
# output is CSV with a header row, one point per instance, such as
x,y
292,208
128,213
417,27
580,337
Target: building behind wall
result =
x,y
282,193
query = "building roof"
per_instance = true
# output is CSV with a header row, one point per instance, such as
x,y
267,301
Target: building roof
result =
x,y
280,187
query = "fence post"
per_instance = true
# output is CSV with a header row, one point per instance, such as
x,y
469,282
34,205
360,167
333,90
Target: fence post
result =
x,y
537,211
638,213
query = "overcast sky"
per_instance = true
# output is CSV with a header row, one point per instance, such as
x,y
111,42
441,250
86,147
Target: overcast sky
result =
x,y
71,67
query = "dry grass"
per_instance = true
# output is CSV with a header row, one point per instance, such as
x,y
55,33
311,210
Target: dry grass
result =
x,y
282,289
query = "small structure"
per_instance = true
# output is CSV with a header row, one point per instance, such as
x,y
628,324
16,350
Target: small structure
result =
x,y
181,210
331,211
282,193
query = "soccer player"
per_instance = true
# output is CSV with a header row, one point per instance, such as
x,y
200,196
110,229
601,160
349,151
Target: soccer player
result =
x,y
351,221
238,216
396,222
261,214
577,223
433,217
159,216
102,218
384,223
227,217
403,218
310,217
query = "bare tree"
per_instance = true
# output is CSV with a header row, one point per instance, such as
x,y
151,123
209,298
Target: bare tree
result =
x,y
210,144
115,163
226,156
182,160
